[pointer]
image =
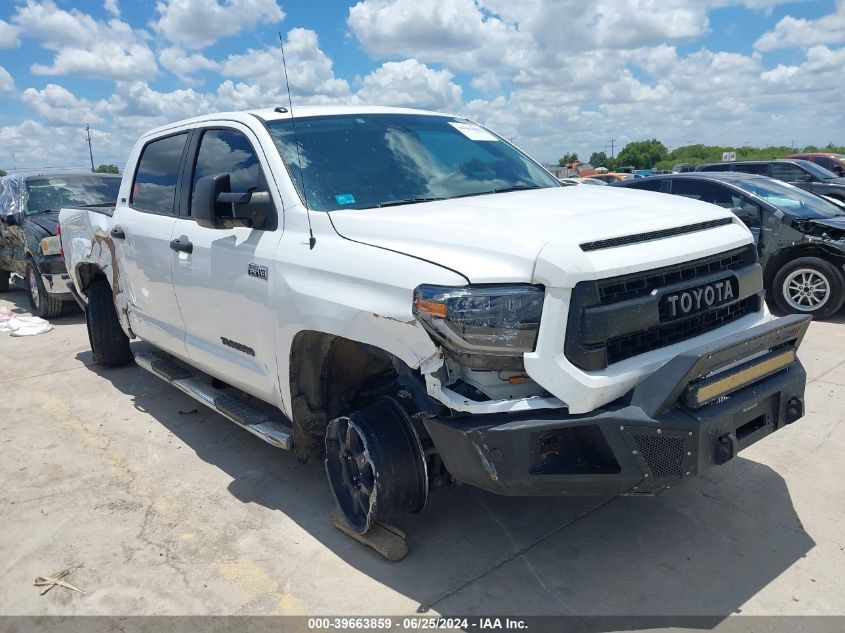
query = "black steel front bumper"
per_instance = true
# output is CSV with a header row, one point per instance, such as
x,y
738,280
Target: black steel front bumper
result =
x,y
651,439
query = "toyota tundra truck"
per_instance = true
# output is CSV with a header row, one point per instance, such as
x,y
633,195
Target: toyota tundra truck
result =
x,y
410,298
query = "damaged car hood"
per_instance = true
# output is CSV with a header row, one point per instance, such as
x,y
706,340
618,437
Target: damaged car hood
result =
x,y
498,237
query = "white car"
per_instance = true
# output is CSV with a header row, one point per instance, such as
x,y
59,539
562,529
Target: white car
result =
x,y
409,297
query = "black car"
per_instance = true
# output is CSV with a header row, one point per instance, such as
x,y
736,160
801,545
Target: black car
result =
x,y
801,173
29,217
800,236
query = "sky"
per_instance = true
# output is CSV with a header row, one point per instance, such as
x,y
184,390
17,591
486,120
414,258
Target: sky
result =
x,y
552,75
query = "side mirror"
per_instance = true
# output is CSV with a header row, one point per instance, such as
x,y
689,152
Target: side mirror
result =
x,y
216,206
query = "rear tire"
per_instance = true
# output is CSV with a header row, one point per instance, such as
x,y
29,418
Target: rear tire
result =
x,y
375,464
809,285
109,343
5,275
42,303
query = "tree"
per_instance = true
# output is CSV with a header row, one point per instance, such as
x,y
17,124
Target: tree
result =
x,y
600,159
107,169
568,159
643,154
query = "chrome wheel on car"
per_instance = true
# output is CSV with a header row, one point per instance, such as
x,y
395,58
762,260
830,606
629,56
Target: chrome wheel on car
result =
x,y
34,291
806,289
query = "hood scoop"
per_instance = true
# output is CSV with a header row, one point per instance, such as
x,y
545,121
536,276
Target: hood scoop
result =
x,y
613,242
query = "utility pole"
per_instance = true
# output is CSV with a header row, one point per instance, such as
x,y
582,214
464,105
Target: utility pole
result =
x,y
90,152
14,162
612,141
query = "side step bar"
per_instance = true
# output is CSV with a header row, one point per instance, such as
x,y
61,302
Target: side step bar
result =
x,y
241,413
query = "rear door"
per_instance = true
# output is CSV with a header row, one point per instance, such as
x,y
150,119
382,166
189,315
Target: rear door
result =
x,y
224,283
142,227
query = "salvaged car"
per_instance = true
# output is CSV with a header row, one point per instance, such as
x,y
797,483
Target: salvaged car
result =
x,y
410,298
801,173
29,244
800,236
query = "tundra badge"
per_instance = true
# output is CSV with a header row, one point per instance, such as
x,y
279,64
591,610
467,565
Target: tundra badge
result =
x,y
258,271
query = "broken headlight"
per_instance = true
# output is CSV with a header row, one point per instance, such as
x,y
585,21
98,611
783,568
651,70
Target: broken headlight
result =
x,y
482,320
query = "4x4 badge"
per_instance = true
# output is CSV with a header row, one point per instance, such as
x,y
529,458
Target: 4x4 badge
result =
x,y
258,271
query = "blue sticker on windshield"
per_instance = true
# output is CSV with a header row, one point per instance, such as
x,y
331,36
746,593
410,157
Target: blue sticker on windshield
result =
x,y
345,198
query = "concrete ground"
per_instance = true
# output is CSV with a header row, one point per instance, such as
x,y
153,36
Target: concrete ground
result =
x,y
159,506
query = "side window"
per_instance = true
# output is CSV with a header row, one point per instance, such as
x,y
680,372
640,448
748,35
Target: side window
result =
x,y
761,169
788,172
715,168
154,188
824,161
648,185
746,210
228,152
695,189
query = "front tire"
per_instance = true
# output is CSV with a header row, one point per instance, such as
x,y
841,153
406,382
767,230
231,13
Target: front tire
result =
x,y
42,303
809,285
109,343
375,464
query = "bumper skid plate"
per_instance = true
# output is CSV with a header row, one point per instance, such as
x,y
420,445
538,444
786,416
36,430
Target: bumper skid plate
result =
x,y
697,411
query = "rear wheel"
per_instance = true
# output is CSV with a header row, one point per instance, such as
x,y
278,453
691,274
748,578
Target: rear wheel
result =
x,y
375,464
809,285
42,303
109,343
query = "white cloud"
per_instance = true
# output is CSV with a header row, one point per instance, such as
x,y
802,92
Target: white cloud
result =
x,y
800,32
8,35
411,84
83,45
310,71
59,107
183,65
7,84
112,7
198,23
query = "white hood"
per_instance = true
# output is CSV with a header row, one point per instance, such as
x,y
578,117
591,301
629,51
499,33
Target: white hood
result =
x,y
497,238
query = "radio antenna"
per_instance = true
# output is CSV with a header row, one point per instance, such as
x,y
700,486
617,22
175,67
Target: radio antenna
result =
x,y
311,239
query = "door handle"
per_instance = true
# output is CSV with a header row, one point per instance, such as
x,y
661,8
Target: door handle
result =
x,y
182,246
117,233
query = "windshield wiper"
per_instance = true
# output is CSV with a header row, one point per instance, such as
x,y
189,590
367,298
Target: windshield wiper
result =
x,y
395,203
39,211
502,190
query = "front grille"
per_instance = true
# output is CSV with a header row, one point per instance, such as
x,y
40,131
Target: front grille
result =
x,y
663,455
614,319
636,343
627,287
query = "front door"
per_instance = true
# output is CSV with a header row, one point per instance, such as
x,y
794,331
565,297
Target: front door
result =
x,y
142,229
222,276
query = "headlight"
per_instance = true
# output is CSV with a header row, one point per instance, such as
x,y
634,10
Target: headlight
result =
x,y
50,245
491,320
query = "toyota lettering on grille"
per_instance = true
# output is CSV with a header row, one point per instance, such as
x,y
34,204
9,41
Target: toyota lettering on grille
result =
x,y
679,304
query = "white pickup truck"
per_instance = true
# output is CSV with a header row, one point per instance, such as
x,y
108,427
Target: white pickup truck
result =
x,y
411,298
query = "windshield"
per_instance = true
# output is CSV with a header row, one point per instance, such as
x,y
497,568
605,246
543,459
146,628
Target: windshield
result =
x,y
817,170
51,193
360,161
790,199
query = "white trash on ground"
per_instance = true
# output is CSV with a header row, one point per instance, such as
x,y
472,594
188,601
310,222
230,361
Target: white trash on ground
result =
x,y
22,325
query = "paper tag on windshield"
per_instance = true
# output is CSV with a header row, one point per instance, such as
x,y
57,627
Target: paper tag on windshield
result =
x,y
473,132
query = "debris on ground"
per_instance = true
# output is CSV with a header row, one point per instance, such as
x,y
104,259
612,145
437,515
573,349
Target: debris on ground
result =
x,y
22,325
387,540
54,580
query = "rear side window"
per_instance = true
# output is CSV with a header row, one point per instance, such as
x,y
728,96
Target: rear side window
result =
x,y
761,169
646,185
824,161
699,190
154,188
714,168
